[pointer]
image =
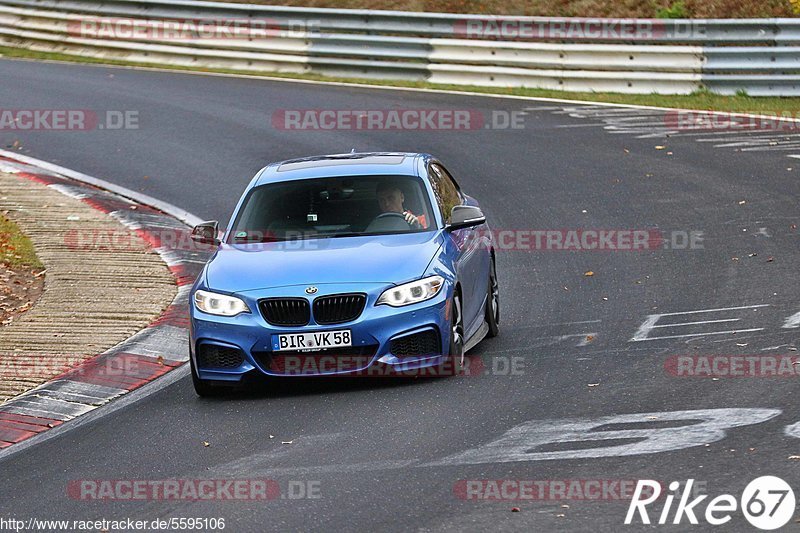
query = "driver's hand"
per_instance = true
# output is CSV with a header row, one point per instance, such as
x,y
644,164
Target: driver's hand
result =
x,y
412,220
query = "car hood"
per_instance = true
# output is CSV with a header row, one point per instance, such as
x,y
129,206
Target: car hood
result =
x,y
369,259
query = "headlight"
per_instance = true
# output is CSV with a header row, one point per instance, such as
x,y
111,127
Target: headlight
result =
x,y
411,293
219,304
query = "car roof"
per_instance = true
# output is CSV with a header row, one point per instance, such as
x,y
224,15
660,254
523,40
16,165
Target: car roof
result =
x,y
352,164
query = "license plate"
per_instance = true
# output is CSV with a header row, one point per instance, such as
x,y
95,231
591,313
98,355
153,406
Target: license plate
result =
x,y
319,340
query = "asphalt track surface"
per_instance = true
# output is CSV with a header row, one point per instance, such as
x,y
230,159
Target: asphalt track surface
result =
x,y
387,455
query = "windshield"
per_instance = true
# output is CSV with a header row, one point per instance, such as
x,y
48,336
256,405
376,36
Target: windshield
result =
x,y
333,207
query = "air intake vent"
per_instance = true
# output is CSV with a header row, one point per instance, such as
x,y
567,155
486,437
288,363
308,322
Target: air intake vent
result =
x,y
416,345
285,311
213,356
338,308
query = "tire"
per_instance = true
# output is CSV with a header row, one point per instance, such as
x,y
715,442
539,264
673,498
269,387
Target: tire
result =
x,y
456,334
204,389
492,312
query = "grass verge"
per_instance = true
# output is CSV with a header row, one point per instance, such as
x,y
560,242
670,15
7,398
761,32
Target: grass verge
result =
x,y
16,250
568,8
702,100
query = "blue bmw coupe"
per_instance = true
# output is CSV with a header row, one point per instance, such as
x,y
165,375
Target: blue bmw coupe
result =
x,y
343,265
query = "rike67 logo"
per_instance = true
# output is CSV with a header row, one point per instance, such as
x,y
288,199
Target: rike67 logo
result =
x,y
767,502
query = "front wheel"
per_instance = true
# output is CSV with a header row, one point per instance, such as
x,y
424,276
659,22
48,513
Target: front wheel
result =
x,y
492,315
456,334
203,388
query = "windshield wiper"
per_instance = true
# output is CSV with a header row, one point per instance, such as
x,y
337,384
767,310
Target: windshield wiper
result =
x,y
337,235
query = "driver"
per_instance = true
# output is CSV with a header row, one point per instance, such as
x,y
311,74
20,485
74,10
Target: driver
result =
x,y
390,200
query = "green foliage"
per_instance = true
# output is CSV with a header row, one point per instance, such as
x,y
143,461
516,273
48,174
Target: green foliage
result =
x,y
676,10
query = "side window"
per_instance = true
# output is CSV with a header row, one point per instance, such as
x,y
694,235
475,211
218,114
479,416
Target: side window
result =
x,y
445,190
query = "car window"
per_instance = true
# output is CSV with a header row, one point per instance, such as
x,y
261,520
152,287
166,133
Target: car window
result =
x,y
341,206
445,190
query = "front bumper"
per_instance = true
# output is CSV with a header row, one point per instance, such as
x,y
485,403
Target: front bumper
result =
x,y
372,334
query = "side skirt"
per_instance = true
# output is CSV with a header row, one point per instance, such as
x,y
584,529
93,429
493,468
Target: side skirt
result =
x,y
477,337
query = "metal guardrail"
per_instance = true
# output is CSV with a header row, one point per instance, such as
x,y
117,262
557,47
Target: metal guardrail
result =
x,y
760,56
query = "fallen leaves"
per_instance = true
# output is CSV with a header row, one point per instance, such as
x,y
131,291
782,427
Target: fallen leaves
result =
x,y
588,274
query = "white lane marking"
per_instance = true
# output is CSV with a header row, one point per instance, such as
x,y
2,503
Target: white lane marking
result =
x,y
758,143
567,126
715,310
794,156
779,346
686,335
793,430
586,338
518,444
792,321
650,323
777,148
525,442
696,323
752,135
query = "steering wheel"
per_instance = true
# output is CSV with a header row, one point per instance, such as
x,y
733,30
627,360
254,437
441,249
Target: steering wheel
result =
x,y
388,222
391,214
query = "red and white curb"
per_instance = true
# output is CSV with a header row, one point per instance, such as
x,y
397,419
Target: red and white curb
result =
x,y
152,352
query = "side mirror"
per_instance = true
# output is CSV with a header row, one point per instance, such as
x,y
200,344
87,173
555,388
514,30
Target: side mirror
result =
x,y
206,233
465,216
